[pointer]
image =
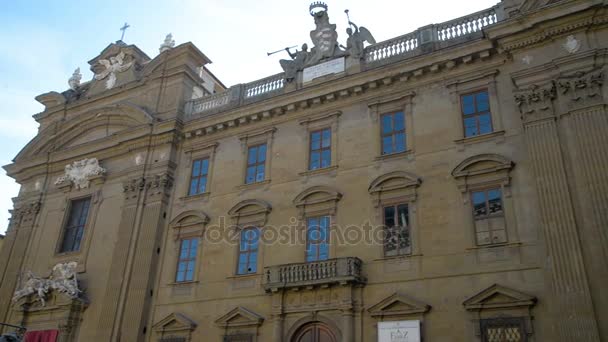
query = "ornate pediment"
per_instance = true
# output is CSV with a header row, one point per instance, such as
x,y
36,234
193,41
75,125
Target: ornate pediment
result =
x,y
117,64
317,194
497,296
189,218
174,322
532,5
398,304
240,317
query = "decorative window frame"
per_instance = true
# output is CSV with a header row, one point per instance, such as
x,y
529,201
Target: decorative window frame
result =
x,y
240,322
247,214
174,325
315,123
496,175
400,307
391,104
397,187
500,302
188,224
193,153
317,201
467,85
95,193
250,139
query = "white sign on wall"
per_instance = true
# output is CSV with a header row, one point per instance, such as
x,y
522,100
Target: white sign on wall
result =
x,y
331,67
399,331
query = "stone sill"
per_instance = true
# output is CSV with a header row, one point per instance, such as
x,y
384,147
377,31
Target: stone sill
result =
x,y
201,196
248,275
253,185
184,283
319,171
480,138
397,257
396,155
506,244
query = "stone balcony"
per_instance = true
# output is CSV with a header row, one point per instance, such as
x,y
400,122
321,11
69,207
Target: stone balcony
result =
x,y
340,271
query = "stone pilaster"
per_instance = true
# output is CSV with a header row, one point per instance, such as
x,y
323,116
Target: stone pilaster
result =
x,y
572,313
145,261
13,252
108,323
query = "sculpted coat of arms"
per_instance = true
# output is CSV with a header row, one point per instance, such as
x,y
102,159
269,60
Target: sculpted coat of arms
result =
x,y
80,172
112,66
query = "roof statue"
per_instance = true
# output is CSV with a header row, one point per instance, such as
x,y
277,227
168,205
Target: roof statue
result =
x,y
74,81
299,59
168,44
112,66
324,36
356,38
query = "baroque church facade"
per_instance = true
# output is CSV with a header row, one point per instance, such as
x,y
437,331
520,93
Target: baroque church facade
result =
x,y
445,185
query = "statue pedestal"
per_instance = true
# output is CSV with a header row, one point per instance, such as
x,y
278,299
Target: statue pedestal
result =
x,y
353,65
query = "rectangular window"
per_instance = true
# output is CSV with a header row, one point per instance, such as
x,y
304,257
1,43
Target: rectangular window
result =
x,y
320,149
248,251
74,227
393,133
198,177
476,114
397,230
489,217
317,238
503,330
256,164
187,260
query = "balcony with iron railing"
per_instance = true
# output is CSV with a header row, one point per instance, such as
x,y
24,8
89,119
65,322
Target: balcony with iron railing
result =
x,y
422,41
312,274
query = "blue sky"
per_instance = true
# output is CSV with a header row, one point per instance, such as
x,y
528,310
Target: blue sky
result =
x,y
42,42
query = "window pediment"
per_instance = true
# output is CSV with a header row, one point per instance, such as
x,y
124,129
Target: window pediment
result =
x,y
483,170
240,317
189,218
317,195
398,304
397,180
498,297
175,322
250,211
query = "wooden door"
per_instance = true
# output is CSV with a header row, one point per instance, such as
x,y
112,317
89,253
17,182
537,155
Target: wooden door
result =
x,y
315,332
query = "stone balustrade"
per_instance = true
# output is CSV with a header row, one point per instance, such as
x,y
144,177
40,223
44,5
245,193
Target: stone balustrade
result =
x,y
401,47
466,25
266,85
423,40
310,274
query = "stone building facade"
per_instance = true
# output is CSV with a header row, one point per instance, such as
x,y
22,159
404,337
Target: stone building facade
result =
x,y
445,185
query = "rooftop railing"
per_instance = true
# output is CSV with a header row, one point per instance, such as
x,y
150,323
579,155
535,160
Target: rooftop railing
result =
x,y
423,40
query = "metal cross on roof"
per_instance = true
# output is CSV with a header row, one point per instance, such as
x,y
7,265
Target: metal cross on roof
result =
x,y
123,29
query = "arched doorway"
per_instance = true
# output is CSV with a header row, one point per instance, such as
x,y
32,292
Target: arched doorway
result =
x,y
315,332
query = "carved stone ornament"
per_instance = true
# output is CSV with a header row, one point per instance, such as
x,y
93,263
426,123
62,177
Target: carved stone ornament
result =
x,y
112,66
79,173
572,45
581,86
62,280
168,44
535,99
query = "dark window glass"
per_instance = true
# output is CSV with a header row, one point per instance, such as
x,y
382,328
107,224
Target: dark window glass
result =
x,y
74,228
317,238
476,114
198,178
397,230
248,251
320,149
187,260
488,216
393,133
256,164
